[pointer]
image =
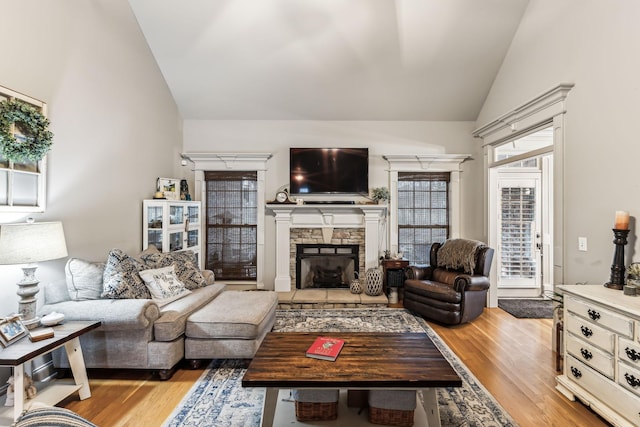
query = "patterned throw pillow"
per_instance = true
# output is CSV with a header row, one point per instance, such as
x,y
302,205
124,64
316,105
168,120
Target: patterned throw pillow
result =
x,y
121,279
185,263
164,285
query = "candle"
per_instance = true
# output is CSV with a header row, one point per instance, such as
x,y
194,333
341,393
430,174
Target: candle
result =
x,y
622,220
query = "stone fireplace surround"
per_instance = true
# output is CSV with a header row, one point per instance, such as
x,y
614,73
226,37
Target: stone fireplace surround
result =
x,y
329,224
306,255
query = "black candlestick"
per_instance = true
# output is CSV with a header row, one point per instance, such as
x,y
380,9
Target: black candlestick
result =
x,y
617,268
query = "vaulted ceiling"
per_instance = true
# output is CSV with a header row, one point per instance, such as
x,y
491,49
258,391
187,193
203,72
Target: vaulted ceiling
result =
x,y
329,59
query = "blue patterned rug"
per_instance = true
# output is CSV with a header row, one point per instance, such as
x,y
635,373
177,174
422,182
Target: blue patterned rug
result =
x,y
218,399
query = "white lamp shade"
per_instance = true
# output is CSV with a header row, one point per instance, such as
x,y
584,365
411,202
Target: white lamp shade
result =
x,y
31,242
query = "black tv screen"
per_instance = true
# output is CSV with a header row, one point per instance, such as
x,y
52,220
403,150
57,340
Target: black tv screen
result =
x,y
329,170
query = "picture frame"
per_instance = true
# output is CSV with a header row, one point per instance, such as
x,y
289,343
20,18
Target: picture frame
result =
x,y
11,330
169,187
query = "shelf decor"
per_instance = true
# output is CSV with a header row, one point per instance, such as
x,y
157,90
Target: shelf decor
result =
x,y
380,194
24,133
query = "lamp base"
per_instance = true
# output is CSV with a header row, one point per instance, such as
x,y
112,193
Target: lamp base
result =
x,y
27,290
613,286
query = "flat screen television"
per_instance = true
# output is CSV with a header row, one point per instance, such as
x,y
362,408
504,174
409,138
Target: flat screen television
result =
x,y
329,170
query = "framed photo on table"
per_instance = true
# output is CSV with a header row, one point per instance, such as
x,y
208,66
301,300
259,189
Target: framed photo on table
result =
x,y
169,187
11,330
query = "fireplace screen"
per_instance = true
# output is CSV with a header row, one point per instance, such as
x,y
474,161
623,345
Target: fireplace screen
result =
x,y
325,266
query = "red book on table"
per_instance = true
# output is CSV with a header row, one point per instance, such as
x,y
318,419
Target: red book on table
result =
x,y
325,348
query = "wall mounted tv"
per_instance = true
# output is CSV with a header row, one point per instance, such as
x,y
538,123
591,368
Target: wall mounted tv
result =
x,y
329,170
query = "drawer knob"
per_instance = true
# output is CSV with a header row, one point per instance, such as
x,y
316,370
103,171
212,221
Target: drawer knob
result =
x,y
631,380
594,315
632,354
586,353
586,331
576,372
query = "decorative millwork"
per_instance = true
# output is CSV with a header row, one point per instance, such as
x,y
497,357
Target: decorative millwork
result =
x,y
34,139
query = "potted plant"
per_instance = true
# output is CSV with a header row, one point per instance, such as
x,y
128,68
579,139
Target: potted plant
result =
x,y
380,194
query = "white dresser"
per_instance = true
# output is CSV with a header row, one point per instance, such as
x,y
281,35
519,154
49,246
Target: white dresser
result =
x,y
602,351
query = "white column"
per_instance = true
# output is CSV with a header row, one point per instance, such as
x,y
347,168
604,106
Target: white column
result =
x,y
371,238
282,281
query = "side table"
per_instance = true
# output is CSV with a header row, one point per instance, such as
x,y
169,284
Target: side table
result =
x,y
18,354
393,273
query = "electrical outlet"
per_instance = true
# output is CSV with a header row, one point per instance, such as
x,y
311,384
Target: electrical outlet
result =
x,y
582,244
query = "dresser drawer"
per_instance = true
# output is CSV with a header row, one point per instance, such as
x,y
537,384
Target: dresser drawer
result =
x,y
601,316
629,351
624,402
599,360
590,332
629,377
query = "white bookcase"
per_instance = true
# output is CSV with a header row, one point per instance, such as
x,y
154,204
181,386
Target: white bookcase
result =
x,y
172,225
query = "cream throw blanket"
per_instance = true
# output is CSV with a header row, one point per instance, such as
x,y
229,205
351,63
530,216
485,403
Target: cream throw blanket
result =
x,y
456,254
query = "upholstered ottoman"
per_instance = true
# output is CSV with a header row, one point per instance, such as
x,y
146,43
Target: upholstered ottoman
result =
x,y
231,326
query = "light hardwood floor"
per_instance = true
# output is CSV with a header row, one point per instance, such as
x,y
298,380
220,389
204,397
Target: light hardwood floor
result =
x,y
511,357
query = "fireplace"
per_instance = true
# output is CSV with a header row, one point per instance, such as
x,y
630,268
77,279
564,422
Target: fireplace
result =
x,y
325,265
325,225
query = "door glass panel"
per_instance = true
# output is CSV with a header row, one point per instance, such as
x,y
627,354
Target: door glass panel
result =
x,y
155,238
175,241
154,216
193,214
192,238
518,216
176,215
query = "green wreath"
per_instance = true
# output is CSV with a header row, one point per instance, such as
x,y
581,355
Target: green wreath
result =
x,y
36,139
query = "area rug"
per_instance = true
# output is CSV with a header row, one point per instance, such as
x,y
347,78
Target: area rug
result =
x,y
218,399
527,308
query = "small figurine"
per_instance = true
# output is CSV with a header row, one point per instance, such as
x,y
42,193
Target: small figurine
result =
x,y
184,190
30,390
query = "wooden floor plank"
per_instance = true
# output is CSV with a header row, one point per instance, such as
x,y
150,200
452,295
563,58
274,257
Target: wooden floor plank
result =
x,y
511,357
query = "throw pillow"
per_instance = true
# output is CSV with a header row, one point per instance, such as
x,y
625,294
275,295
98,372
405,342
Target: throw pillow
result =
x,y
121,278
84,279
164,285
185,264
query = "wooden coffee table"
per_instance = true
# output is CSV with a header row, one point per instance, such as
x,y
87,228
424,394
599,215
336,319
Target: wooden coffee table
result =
x,y
406,361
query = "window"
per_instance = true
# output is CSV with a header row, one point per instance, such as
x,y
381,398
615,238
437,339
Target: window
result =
x,y
231,224
22,184
423,213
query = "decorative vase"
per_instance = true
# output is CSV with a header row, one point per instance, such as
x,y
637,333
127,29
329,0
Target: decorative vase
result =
x,y
374,282
355,286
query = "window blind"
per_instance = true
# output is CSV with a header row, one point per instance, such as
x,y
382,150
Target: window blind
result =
x,y
231,224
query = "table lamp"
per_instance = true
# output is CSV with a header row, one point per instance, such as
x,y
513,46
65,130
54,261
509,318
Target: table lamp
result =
x,y
29,243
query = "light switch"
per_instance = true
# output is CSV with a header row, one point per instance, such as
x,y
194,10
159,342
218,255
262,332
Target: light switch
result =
x,y
582,244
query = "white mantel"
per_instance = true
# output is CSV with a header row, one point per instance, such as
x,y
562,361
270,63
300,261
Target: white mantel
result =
x,y
327,217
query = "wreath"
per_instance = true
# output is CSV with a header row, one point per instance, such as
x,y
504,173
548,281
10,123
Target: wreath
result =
x,y
34,141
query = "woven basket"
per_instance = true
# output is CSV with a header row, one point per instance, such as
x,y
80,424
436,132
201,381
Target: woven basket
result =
x,y
390,417
310,411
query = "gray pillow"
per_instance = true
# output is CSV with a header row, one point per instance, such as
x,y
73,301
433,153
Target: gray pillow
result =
x,y
121,278
84,279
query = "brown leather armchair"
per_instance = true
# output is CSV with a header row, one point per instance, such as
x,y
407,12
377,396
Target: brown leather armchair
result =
x,y
446,293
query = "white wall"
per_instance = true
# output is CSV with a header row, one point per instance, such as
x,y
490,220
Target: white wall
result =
x,y
115,123
593,44
381,137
